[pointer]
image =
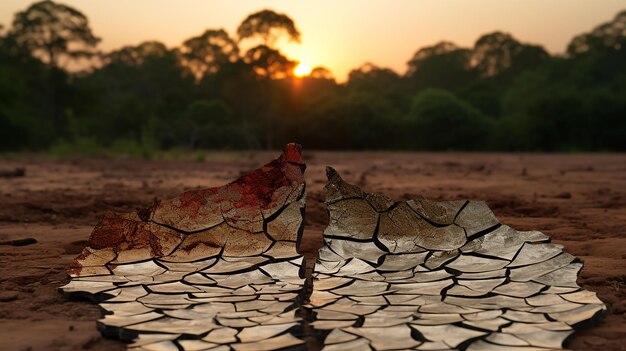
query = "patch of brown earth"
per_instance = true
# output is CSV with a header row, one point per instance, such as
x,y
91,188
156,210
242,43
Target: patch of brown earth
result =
x,y
578,200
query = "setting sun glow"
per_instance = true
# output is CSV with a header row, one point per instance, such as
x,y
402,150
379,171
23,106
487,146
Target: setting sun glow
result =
x,y
302,69
338,44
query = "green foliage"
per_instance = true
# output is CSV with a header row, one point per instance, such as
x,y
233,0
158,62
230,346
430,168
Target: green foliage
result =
x,y
499,53
355,121
79,146
500,94
438,120
11,133
443,65
484,95
605,37
204,125
137,55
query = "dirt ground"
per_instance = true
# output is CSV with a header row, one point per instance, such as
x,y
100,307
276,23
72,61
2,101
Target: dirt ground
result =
x,y
579,200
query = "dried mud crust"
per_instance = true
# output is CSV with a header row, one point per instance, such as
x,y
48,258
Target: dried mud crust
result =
x,y
60,201
440,275
211,268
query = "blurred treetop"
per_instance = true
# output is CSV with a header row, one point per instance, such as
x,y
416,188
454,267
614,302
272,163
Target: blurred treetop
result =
x,y
54,30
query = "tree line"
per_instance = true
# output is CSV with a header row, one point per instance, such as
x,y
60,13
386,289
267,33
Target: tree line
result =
x,y
209,93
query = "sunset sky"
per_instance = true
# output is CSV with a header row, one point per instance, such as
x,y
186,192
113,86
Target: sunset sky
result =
x,y
343,34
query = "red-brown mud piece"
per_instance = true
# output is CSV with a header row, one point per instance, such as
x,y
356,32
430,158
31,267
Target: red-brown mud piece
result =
x,y
244,205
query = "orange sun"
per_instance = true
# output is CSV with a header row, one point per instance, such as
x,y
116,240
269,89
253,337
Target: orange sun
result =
x,y
302,69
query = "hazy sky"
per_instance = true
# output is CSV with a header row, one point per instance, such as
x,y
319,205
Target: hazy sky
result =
x,y
343,34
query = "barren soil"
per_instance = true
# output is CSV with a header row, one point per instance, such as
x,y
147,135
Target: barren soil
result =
x,y
578,200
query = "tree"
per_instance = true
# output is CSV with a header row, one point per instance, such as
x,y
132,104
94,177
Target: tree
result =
x,y
438,120
52,30
208,52
12,135
368,76
321,72
385,82
204,124
269,66
427,52
497,52
557,121
137,55
137,87
483,94
24,92
269,26
269,63
610,36
358,120
443,65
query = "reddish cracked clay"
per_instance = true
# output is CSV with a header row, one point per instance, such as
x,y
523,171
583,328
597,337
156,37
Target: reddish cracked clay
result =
x,y
243,205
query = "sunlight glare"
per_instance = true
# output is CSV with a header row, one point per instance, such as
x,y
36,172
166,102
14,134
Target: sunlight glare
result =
x,y
302,69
